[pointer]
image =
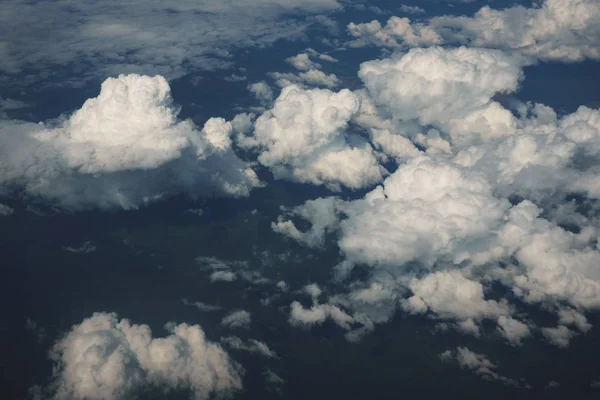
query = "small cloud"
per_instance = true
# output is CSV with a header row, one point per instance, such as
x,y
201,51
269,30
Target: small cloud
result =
x,y
85,248
237,319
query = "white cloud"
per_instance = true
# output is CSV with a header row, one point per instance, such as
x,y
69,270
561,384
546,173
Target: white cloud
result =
x,y
479,364
559,336
302,62
201,306
310,78
318,314
251,346
450,294
223,276
262,91
302,139
105,358
124,148
438,86
411,9
514,331
237,319
398,32
556,30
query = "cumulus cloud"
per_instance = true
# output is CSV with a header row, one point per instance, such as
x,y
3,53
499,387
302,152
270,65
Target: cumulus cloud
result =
x,y
106,358
237,319
446,207
251,346
122,149
411,9
261,91
397,33
559,336
556,30
479,364
302,62
310,78
451,89
302,139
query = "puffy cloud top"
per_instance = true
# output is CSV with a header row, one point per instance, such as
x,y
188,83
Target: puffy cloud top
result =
x,y
434,85
105,358
302,138
124,148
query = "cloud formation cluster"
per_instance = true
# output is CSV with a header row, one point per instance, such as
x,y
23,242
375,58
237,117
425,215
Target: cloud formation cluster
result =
x,y
480,195
556,30
122,149
106,358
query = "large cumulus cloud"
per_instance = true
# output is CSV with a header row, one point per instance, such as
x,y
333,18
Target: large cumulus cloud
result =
x,y
302,138
105,358
481,194
124,148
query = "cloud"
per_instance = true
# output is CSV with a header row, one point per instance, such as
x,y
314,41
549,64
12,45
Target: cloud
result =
x,y
5,210
201,306
86,247
302,62
122,149
262,92
443,219
103,39
251,346
309,78
479,364
106,358
411,9
441,87
223,276
559,336
397,33
302,139
237,319
555,30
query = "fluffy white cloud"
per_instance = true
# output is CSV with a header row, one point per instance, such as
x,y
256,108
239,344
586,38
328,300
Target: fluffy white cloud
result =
x,y
124,148
302,62
397,33
237,319
105,358
302,139
442,87
426,211
262,91
563,30
559,336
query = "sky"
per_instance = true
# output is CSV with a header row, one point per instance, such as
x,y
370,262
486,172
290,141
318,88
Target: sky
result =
x,y
322,199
